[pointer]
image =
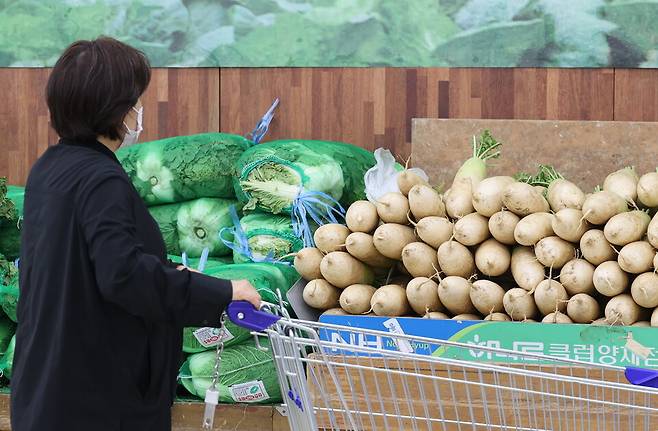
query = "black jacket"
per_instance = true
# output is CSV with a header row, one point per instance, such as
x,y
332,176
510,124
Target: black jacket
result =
x,y
101,310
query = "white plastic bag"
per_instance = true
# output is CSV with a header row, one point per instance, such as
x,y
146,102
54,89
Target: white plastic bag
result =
x,y
383,177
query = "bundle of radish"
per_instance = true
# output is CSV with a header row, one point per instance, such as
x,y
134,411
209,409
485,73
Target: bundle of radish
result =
x,y
623,182
647,189
560,193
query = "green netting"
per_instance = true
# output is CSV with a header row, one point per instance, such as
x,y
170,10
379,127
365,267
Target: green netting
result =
x,y
8,287
11,215
267,235
7,361
183,168
211,263
233,335
7,331
273,174
247,374
191,226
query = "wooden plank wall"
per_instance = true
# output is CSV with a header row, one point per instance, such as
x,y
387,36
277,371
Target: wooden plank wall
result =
x,y
368,107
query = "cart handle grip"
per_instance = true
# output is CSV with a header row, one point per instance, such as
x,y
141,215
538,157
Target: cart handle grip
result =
x,y
642,377
244,314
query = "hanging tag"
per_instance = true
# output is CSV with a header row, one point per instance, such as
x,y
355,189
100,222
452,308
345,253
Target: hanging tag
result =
x,y
210,337
212,399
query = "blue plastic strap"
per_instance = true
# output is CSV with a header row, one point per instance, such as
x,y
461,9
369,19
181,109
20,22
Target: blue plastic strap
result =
x,y
16,262
183,259
204,259
319,207
263,125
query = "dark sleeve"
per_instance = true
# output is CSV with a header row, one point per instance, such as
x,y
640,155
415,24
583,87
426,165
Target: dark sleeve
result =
x,y
136,281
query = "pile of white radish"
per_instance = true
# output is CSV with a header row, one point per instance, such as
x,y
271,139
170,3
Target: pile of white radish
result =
x,y
502,248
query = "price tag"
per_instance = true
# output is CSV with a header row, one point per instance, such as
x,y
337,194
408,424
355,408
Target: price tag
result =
x,y
210,337
250,392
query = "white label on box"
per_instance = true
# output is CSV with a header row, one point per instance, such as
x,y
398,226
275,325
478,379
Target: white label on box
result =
x,y
403,344
209,337
250,392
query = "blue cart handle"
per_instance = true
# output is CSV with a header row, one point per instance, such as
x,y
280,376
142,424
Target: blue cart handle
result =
x,y
642,377
244,314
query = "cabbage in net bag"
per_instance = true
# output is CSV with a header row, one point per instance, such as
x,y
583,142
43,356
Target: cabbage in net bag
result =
x,y
11,217
247,374
8,287
7,361
183,168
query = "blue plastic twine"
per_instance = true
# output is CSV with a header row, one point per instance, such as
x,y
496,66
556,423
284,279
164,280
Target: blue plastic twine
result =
x,y
240,242
263,125
320,207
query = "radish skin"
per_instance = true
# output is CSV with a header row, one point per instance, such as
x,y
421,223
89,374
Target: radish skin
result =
x,y
471,229
420,259
487,297
321,295
569,224
609,279
331,237
654,317
636,257
622,309
437,315
362,246
533,228
556,317
390,300
393,207
307,263
502,225
519,304
434,231
554,252
595,247
492,258
424,201
564,194
341,270
645,290
523,199
335,312
423,296
355,299
407,179
577,276
599,207
467,316
488,195
652,231
642,324
551,296
390,239
362,216
498,317
582,308
647,189
626,227
623,182
456,260
526,269
454,293
459,199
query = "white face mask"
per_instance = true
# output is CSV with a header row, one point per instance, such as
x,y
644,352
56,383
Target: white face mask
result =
x,y
131,136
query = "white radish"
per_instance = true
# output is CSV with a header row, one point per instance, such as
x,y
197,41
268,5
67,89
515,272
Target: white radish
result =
x,y
563,194
424,201
655,263
423,296
599,207
362,216
475,169
523,199
533,228
335,312
622,309
420,259
498,317
355,299
456,259
434,231
554,252
519,304
645,290
652,231
458,199
362,246
582,308
595,248
466,316
390,300
436,315
393,207
331,237
407,179
654,317
636,257
471,229
642,324
551,296
577,276
556,317
307,263
526,269
626,227
321,295
647,189
487,297
623,182
502,225
570,225
342,270
454,293
390,239
609,279
488,195
492,258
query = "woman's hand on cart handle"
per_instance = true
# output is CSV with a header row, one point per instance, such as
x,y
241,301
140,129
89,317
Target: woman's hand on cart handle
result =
x,y
244,291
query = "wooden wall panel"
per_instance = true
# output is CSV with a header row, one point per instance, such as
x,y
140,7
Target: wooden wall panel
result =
x,y
636,95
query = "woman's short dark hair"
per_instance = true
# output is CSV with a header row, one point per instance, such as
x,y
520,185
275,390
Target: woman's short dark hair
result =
x,y
93,86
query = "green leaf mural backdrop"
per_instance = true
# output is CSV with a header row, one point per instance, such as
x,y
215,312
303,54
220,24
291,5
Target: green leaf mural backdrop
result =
x,y
334,33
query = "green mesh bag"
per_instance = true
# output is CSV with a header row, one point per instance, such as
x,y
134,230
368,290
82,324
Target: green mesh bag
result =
x,y
11,216
7,361
247,375
183,168
210,264
194,225
8,287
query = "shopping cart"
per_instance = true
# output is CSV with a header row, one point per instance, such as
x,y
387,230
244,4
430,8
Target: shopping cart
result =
x,y
330,384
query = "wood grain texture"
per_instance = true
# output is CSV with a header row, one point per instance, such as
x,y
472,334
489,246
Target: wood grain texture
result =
x,y
636,95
